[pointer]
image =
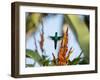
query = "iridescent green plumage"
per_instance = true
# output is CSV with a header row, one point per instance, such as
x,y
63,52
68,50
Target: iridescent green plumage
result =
x,y
55,39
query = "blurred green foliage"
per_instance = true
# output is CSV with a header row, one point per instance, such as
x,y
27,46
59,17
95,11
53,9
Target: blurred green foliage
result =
x,y
34,55
41,60
32,22
81,32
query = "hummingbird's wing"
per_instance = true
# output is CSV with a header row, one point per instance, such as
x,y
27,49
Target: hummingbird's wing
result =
x,y
60,37
52,37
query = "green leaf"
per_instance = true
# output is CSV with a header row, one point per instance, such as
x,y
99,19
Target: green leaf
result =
x,y
44,57
42,60
32,22
30,65
84,61
75,61
34,55
45,62
81,31
69,62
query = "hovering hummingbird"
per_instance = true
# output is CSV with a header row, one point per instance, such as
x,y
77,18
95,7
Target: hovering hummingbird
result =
x,y
55,39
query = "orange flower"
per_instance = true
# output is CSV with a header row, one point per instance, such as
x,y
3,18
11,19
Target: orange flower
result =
x,y
63,49
41,42
42,38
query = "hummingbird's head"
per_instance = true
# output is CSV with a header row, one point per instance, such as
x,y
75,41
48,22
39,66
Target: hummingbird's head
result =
x,y
56,33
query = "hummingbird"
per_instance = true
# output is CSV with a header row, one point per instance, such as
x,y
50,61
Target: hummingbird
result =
x,y
55,39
